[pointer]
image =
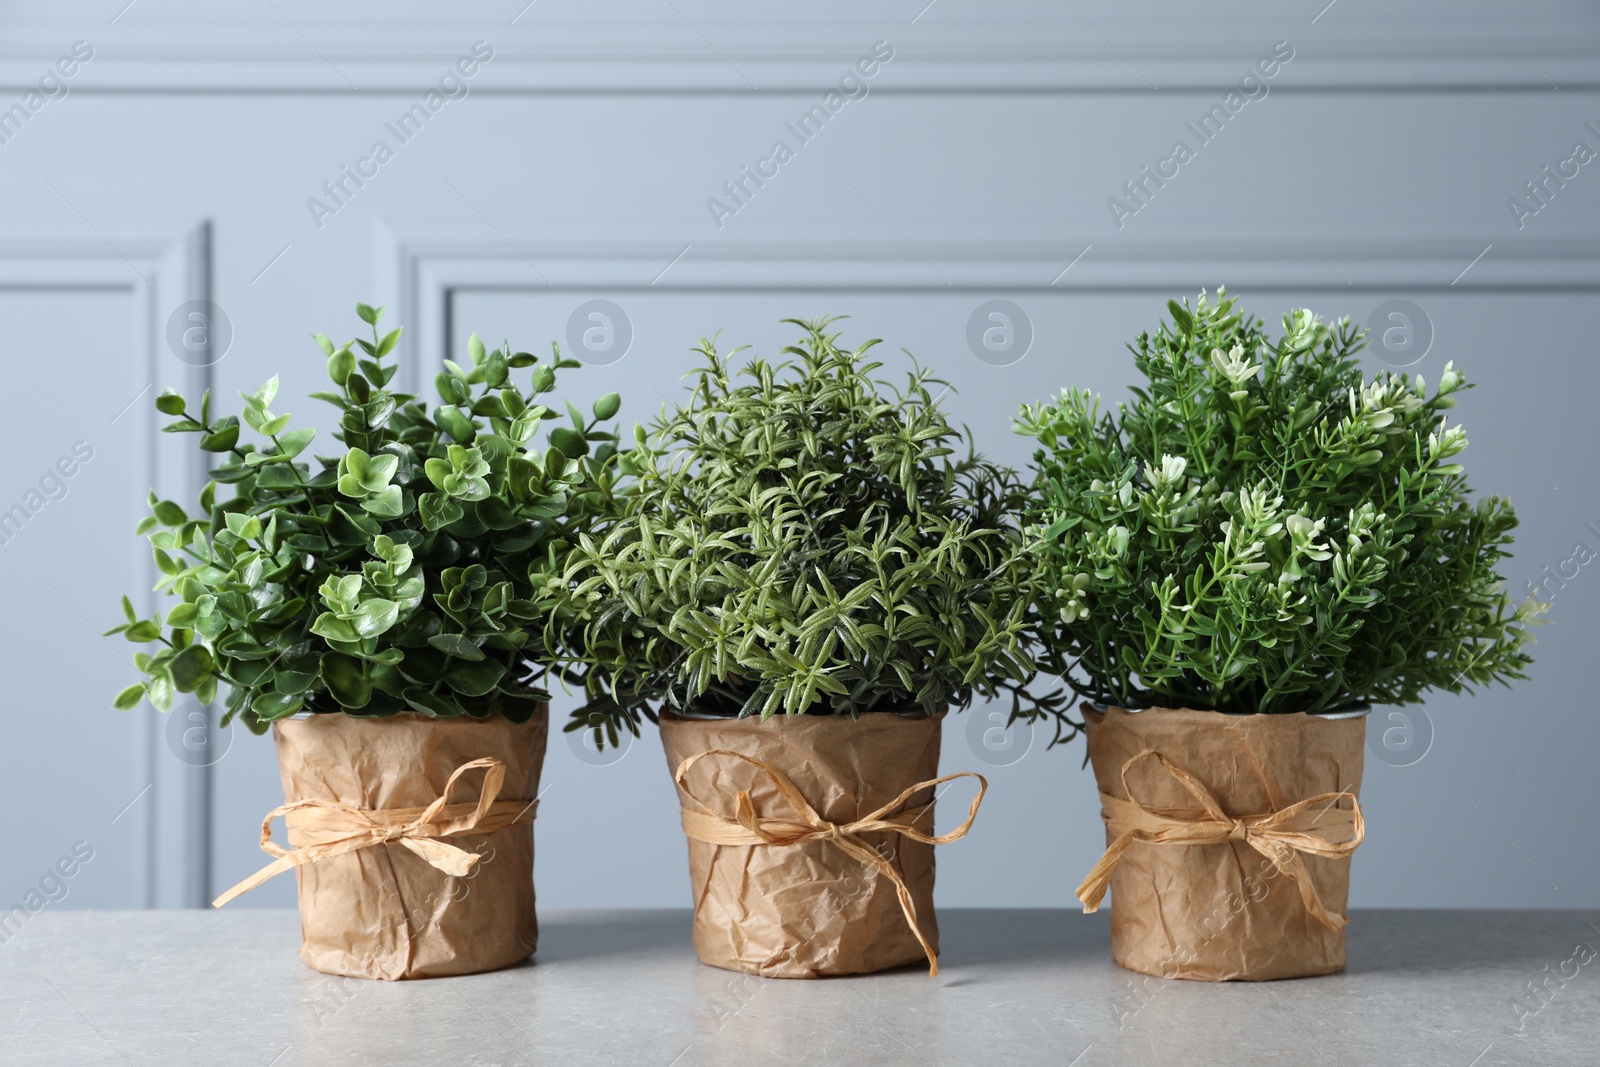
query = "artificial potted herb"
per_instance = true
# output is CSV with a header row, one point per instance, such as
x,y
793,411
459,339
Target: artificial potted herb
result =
x,y
1250,552
811,568
384,609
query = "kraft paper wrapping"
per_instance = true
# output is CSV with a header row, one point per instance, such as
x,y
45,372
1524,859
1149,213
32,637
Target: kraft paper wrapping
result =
x,y
385,911
810,909
1221,909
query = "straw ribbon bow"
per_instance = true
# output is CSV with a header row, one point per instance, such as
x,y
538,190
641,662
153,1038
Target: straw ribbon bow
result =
x,y
331,828
748,828
1313,826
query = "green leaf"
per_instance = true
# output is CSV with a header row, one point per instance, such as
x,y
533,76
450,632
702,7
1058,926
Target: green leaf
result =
x,y
496,514
277,476
375,617
189,667
168,513
380,469
454,423
387,504
1181,316
222,440
291,679
346,680
434,705
341,365
160,692
607,407
423,665
569,442
276,705
170,403
183,616
456,645
437,510
242,525
323,343
129,698
295,441
143,632
369,315
475,679
333,628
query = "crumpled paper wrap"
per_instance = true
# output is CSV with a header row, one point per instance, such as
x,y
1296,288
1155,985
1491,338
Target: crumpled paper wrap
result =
x,y
384,912
810,910
1222,911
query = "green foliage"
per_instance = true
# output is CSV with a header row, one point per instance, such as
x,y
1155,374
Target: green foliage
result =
x,y
805,540
1260,530
420,569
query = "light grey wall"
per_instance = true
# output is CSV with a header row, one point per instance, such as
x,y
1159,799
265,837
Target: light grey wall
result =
x,y
1377,167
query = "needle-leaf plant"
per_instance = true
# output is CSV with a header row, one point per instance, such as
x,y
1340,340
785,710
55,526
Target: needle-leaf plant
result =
x,y
802,537
415,567
1261,529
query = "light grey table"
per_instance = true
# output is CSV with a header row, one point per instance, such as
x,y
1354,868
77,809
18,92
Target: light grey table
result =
x,y
623,987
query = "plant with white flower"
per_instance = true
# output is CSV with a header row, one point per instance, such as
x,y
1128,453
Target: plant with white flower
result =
x,y
1303,534
1236,369
1449,381
1169,503
1168,474
1261,529
1383,400
1070,596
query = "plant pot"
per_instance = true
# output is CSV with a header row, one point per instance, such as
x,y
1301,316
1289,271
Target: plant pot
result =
x,y
808,904
385,911
1255,888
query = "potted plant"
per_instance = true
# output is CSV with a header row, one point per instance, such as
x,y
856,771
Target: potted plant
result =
x,y
384,609
810,569
1246,555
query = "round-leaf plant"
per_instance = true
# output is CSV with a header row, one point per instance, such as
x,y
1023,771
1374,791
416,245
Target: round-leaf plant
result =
x,y
415,569
1262,530
802,537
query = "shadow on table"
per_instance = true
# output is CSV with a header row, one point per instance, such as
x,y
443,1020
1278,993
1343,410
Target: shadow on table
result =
x,y
1432,941
1017,935
1379,941
585,935
967,936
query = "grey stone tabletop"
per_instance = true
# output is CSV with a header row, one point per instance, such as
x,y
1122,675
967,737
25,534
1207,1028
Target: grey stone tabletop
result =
x,y
1454,988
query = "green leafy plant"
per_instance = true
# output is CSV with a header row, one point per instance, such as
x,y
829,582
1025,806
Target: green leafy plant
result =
x,y
1261,530
801,537
419,569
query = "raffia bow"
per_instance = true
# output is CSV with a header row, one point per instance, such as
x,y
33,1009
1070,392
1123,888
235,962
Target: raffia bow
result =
x,y
330,828
748,828
1314,826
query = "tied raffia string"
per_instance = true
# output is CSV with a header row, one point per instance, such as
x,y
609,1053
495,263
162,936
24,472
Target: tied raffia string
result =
x,y
330,828
748,828
1314,826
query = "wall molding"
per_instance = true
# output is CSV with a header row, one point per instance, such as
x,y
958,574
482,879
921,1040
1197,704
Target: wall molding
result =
x,y
159,267
626,47
423,266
